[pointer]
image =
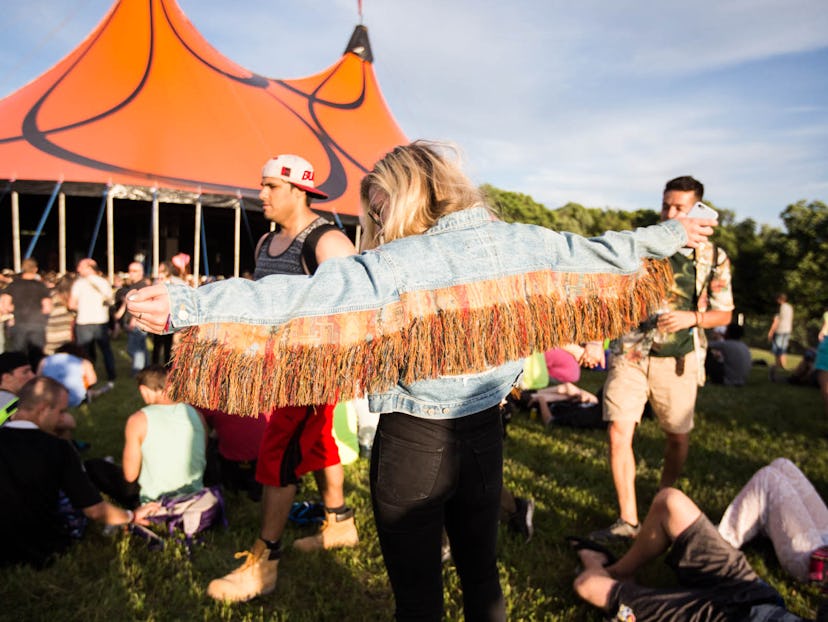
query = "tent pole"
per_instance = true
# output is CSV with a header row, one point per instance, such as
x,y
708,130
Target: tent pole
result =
x,y
94,241
204,246
155,233
43,217
15,209
197,242
246,222
110,234
61,233
237,239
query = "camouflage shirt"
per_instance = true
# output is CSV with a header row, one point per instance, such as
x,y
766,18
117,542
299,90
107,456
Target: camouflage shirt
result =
x,y
702,282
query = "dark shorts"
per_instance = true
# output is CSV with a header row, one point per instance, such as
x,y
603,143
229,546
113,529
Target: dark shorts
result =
x,y
296,440
715,583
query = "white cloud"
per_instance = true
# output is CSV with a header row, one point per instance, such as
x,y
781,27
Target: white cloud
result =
x,y
585,101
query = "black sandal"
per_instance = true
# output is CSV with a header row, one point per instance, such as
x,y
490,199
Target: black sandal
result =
x,y
577,543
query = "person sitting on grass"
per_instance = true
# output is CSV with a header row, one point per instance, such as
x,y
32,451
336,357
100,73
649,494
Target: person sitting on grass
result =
x,y
164,449
71,367
729,360
36,467
715,580
805,373
15,372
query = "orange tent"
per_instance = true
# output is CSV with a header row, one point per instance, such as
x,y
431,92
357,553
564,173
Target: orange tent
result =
x,y
146,103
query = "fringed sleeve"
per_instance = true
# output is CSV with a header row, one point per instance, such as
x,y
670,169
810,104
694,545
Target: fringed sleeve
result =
x,y
460,329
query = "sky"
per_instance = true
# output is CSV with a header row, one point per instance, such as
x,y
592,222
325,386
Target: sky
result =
x,y
598,102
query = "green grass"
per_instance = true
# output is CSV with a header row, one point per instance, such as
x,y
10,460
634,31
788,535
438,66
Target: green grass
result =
x,y
738,430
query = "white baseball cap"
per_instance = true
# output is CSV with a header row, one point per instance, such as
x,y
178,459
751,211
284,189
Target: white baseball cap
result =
x,y
294,170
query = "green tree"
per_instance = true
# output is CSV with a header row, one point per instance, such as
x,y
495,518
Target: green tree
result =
x,y
517,207
804,256
766,260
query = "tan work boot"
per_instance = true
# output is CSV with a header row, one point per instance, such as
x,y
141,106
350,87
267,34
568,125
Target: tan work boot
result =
x,y
338,530
255,577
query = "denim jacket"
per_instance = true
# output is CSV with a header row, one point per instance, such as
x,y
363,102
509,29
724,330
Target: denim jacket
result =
x,y
462,247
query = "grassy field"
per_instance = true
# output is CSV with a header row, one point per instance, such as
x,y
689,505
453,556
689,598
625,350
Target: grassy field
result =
x,y
738,430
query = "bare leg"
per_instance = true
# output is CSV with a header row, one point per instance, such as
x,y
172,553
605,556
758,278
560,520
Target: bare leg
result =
x,y
276,503
545,413
331,482
622,465
670,514
675,455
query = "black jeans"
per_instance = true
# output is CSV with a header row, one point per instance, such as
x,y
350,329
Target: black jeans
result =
x,y
431,474
162,349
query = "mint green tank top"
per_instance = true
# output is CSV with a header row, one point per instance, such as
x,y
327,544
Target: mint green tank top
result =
x,y
173,452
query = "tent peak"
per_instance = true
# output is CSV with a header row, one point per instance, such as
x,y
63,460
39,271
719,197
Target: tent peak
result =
x,y
360,45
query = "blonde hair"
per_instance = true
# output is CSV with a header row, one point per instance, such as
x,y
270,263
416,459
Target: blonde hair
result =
x,y
410,188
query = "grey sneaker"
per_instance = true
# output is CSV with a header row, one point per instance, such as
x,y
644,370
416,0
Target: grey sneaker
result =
x,y
620,529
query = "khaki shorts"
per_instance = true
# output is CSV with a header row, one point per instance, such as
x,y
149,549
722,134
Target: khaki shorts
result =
x,y
631,383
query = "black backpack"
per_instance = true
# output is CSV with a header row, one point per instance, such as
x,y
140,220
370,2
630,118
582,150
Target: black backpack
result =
x,y
309,245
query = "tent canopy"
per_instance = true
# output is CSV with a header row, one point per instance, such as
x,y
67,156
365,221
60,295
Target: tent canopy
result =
x,y
146,102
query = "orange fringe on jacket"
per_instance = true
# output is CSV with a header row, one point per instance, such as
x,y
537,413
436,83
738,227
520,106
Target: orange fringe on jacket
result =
x,y
247,369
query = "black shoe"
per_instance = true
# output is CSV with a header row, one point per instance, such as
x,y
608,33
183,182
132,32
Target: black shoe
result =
x,y
521,521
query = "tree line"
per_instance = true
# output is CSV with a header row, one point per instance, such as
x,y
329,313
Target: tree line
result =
x,y
765,260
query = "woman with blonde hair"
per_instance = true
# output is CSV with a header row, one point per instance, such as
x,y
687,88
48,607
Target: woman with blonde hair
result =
x,y
432,324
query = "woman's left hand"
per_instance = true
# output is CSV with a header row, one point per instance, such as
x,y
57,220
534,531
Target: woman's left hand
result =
x,y
150,306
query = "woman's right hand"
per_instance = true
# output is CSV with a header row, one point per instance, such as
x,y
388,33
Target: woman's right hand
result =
x,y
150,306
697,230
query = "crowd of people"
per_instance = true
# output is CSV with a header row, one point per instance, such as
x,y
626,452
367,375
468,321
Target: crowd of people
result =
x,y
416,322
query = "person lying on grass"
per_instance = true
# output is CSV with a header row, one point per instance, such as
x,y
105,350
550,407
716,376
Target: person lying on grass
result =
x,y
566,392
715,580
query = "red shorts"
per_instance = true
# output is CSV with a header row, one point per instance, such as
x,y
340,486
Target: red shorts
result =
x,y
297,440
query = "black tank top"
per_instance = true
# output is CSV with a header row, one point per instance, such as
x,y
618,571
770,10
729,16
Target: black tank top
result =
x,y
290,260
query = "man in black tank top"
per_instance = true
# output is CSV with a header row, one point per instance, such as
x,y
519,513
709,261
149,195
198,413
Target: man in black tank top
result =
x,y
297,440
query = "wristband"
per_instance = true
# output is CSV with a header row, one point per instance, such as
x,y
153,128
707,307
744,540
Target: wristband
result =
x,y
131,516
699,318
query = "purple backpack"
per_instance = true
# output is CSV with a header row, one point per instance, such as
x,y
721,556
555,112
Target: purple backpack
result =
x,y
188,514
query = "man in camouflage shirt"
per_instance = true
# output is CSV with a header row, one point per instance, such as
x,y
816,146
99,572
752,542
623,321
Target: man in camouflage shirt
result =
x,y
662,361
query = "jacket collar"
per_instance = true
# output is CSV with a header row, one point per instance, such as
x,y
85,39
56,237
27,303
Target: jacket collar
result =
x,y
464,219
